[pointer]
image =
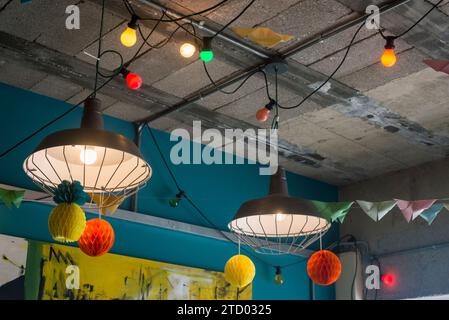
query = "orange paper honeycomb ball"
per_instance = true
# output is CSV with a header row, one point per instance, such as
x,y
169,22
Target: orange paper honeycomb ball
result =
x,y
324,267
97,239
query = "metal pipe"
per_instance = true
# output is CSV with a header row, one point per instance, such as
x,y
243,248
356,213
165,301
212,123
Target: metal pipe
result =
x,y
138,141
227,81
211,30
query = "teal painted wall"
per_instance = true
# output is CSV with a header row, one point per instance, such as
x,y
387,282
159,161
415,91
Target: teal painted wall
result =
x,y
217,189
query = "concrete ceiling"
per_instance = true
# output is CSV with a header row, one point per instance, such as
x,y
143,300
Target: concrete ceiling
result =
x,y
368,121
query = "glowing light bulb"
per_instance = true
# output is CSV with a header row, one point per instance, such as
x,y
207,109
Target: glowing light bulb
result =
x,y
88,156
388,279
280,217
187,50
129,37
207,55
389,58
278,278
134,81
262,115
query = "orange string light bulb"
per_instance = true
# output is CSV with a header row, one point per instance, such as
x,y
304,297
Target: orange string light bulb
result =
x,y
389,57
263,114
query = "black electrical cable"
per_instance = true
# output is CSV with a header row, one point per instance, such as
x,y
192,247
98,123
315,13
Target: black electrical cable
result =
x,y
332,74
132,12
5,5
236,89
100,42
417,22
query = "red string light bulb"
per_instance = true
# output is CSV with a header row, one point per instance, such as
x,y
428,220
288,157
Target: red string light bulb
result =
x,y
389,57
133,80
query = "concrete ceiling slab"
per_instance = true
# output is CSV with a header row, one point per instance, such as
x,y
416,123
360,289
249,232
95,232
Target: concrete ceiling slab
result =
x,y
307,18
126,111
192,78
376,75
421,97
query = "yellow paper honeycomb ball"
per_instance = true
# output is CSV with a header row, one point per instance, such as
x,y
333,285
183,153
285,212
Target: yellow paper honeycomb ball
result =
x,y
67,222
239,271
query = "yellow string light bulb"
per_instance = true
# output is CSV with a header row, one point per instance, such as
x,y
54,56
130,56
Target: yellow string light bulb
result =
x,y
129,37
389,57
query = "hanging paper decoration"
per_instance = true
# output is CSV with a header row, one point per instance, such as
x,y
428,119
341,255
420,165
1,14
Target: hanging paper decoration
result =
x,y
430,214
412,209
67,220
108,203
376,210
11,197
333,211
239,271
262,36
438,65
97,239
324,267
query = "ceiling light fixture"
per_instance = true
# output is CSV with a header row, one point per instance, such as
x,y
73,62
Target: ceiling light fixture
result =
x,y
278,223
104,162
129,37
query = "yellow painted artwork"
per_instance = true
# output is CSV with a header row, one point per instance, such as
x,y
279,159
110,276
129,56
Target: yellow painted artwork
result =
x,y
119,277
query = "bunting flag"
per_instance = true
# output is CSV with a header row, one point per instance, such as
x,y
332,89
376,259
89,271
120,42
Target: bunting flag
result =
x,y
412,209
333,211
430,214
11,197
376,210
262,36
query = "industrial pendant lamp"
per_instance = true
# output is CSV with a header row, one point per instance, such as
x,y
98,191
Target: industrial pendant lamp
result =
x,y
278,223
105,163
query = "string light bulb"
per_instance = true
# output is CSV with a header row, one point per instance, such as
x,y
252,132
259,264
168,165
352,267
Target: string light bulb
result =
x,y
389,57
133,80
263,114
128,37
187,50
207,55
278,278
174,203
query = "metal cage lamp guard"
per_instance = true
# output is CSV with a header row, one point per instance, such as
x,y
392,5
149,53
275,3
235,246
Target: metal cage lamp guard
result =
x,y
278,224
106,163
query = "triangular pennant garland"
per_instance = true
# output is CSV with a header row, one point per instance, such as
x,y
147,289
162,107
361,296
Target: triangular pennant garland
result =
x,y
376,210
262,36
333,211
11,197
430,214
412,209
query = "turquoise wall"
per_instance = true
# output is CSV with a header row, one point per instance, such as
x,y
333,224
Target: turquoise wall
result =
x,y
217,189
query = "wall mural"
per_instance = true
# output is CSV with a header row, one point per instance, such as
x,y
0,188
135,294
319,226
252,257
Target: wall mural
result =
x,y
51,276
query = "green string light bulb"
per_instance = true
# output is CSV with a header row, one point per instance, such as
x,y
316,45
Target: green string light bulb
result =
x,y
207,55
278,278
174,203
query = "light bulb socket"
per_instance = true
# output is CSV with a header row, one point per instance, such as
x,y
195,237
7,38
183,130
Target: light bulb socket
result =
x,y
134,23
390,42
270,105
181,194
207,44
124,72
278,271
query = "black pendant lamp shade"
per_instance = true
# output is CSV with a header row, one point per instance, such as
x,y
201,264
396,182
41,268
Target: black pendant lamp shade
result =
x,y
278,219
103,161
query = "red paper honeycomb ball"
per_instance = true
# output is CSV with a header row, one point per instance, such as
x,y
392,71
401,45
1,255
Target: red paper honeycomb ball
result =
x,y
97,239
324,267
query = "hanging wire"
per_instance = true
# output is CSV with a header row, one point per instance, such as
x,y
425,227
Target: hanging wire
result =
x,y
234,19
